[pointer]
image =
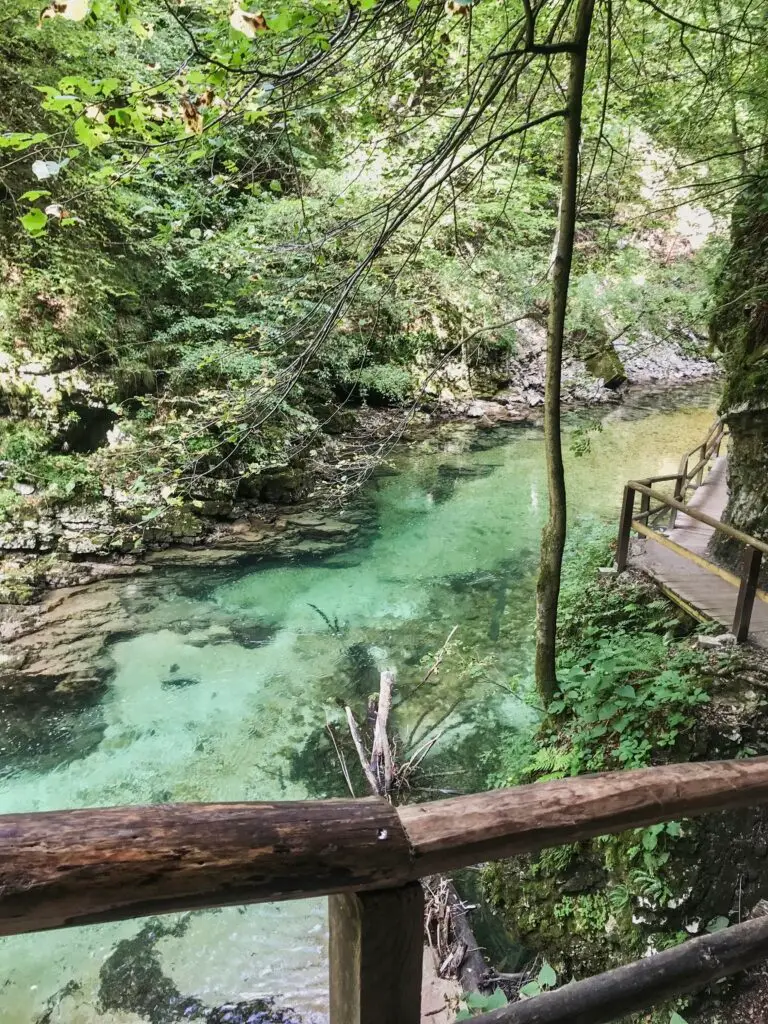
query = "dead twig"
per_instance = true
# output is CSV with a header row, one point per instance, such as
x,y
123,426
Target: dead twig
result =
x,y
381,753
438,659
357,740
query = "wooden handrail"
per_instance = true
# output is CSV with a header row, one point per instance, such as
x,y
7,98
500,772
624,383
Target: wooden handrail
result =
x,y
656,979
701,517
712,440
62,868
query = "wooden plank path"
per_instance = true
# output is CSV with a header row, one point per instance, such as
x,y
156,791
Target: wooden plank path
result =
x,y
689,584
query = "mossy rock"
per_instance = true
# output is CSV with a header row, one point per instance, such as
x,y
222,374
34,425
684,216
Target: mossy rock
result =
x,y
285,486
605,365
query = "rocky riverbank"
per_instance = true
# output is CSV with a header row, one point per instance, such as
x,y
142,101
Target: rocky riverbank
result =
x,y
73,540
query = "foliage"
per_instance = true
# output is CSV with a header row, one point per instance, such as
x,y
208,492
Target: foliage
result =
x,y
544,980
632,687
475,1004
186,222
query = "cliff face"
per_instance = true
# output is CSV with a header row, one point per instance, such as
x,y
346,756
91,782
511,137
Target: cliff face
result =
x,y
740,331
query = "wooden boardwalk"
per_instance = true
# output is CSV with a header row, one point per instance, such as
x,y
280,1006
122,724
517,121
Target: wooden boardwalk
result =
x,y
703,592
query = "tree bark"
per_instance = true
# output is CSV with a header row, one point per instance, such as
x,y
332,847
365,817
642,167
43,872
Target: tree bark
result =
x,y
553,535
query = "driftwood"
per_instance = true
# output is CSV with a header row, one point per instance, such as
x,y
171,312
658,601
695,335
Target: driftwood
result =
x,y
379,769
450,935
646,983
381,754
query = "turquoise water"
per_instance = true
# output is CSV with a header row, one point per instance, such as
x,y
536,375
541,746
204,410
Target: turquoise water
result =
x,y
240,711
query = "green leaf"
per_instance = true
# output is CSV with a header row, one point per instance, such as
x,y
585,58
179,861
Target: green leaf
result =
x,y
475,1001
138,29
275,185
717,924
496,1000
547,977
626,691
677,1019
33,196
88,136
650,840
21,140
533,988
152,515
34,222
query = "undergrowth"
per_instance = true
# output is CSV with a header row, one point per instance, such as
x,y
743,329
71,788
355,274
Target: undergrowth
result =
x,y
631,686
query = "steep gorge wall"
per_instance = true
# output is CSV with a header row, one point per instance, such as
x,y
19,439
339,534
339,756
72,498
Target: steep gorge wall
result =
x,y
740,331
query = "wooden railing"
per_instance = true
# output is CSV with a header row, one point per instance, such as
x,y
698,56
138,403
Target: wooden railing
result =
x,y
746,584
706,451
64,868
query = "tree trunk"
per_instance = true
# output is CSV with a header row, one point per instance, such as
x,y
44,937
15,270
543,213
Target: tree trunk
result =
x,y
553,535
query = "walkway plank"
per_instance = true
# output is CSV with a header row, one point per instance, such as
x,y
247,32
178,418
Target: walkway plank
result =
x,y
703,590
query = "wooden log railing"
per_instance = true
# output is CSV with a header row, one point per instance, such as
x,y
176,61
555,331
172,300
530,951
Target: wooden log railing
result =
x,y
746,584
706,451
64,868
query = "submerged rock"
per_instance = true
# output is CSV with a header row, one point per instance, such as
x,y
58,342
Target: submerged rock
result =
x,y
178,683
131,980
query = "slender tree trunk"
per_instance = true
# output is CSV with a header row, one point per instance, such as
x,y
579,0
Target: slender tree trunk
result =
x,y
553,535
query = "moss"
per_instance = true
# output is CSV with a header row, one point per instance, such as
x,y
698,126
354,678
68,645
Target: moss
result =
x,y
22,583
740,325
606,365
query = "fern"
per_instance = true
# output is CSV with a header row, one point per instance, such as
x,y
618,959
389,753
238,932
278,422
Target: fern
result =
x,y
554,761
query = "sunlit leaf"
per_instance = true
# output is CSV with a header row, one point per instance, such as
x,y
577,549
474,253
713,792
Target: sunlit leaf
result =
x,y
34,222
72,10
250,23
43,169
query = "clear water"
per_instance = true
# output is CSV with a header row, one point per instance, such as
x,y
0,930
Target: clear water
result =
x,y
454,535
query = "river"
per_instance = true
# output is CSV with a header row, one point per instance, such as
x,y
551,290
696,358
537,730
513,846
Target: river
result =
x,y
454,526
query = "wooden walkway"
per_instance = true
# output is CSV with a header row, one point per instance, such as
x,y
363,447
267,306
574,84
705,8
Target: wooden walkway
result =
x,y
698,590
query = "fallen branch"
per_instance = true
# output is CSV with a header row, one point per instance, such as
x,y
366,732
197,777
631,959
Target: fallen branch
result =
x,y
438,659
381,753
357,740
645,983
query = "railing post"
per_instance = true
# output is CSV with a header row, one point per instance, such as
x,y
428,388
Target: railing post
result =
x,y
700,474
625,526
645,505
376,956
746,598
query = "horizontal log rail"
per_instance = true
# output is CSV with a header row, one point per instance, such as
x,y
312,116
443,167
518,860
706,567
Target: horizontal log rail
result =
x,y
62,868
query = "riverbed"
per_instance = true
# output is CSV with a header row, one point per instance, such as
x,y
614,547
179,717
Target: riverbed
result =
x,y
242,710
